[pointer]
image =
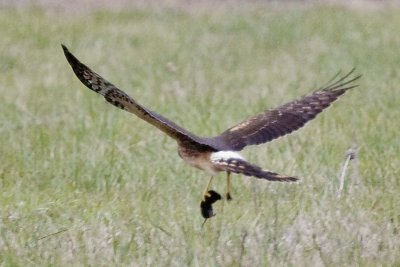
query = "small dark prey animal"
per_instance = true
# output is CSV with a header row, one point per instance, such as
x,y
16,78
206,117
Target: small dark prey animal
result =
x,y
220,153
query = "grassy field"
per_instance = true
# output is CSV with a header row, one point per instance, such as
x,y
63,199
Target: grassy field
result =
x,y
85,184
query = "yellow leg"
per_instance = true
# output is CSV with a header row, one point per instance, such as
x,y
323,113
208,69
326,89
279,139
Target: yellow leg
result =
x,y
207,188
228,186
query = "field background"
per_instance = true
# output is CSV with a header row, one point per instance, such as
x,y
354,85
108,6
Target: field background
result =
x,y
85,184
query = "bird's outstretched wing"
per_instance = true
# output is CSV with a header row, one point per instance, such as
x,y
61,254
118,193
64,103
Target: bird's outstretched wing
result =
x,y
121,100
285,119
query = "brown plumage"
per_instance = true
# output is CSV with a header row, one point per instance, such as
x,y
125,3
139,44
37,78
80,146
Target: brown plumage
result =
x,y
217,153
284,119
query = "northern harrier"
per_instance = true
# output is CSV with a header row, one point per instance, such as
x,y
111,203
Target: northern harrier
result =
x,y
219,153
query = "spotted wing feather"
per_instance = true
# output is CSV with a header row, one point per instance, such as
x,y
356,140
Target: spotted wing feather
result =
x,y
285,119
121,100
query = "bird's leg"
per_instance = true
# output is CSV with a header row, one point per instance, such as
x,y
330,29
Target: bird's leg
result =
x,y
228,186
205,193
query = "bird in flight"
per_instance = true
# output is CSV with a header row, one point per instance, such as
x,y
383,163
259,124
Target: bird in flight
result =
x,y
220,153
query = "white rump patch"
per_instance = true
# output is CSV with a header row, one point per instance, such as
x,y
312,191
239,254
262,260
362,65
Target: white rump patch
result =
x,y
216,156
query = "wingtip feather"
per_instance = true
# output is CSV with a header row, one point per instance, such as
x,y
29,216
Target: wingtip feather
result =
x,y
341,84
72,60
66,51
64,47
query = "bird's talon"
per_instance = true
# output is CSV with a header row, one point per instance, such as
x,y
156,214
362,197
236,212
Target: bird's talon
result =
x,y
228,196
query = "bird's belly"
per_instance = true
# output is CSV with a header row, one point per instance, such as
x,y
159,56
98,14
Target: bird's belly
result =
x,y
200,160
202,165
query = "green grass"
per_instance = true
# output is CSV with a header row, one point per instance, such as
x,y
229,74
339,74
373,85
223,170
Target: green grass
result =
x,y
116,188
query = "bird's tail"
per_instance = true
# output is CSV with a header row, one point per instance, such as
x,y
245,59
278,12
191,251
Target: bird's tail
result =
x,y
237,165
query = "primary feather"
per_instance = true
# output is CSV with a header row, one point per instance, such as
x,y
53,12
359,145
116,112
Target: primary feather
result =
x,y
284,119
120,99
